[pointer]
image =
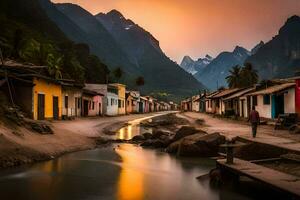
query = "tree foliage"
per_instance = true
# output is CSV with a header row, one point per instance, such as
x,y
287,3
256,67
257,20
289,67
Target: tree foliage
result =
x,y
240,77
140,81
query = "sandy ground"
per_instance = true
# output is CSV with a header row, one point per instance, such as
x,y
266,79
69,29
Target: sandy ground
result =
x,y
230,128
19,145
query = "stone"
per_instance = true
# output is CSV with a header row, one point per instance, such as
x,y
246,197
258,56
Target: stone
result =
x,y
147,136
159,134
185,131
204,145
138,138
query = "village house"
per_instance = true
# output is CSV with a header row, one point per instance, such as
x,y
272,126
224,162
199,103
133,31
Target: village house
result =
x,y
274,100
71,99
150,104
210,103
38,95
112,100
195,103
237,105
102,89
218,100
91,103
132,101
121,97
186,105
143,105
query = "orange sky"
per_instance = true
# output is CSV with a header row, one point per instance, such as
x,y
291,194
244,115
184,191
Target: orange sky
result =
x,y
199,27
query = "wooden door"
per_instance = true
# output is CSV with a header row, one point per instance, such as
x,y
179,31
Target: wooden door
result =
x,y
85,107
41,107
55,108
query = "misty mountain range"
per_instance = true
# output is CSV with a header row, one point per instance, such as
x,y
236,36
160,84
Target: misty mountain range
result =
x,y
278,58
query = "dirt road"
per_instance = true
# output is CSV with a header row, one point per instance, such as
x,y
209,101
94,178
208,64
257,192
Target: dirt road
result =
x,y
230,128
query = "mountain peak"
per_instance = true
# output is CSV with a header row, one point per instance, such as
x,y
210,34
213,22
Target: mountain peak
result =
x,y
115,13
240,50
292,19
208,57
292,25
187,58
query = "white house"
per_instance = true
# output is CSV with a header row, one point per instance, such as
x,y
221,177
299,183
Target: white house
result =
x,y
275,100
112,98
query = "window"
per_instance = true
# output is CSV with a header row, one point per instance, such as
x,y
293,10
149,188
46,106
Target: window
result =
x,y
93,105
66,101
128,103
78,102
266,99
119,103
111,101
254,100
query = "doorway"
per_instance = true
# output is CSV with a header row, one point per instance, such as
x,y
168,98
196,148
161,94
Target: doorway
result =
x,y
85,108
41,106
55,108
277,105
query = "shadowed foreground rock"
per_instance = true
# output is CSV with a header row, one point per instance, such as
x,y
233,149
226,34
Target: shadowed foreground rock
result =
x,y
200,144
185,131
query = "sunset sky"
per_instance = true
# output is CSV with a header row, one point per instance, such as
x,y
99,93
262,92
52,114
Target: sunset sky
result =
x,y
199,27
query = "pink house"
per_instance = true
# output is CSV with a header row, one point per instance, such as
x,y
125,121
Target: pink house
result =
x,y
91,103
297,95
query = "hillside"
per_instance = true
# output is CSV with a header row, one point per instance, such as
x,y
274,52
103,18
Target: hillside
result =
x,y
280,57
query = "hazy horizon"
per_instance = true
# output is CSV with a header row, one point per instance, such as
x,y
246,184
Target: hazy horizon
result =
x,y
201,27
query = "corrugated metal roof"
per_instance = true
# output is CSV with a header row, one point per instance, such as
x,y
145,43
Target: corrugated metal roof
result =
x,y
273,89
240,93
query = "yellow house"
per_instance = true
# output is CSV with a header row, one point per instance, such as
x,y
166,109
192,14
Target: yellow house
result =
x,y
47,99
121,97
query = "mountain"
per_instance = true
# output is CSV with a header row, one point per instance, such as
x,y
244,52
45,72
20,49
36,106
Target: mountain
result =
x,y
192,67
214,74
280,57
258,46
161,74
81,27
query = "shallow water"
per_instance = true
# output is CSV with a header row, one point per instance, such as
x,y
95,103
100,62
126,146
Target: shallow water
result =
x,y
122,172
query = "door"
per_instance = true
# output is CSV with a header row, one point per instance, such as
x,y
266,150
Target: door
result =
x,y
85,107
55,108
140,107
242,107
277,105
41,106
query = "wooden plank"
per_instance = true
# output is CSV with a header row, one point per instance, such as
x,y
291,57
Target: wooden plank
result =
x,y
285,182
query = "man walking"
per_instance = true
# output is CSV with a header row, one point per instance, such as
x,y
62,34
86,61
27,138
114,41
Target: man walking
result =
x,y
254,120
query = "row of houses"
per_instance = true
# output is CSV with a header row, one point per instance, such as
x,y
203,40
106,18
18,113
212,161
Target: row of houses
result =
x,y
281,96
42,97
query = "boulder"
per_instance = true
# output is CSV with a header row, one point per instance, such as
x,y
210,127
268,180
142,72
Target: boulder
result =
x,y
147,136
155,143
186,131
160,134
200,144
138,138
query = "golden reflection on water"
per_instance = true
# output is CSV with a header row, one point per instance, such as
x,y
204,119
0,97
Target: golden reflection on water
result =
x,y
131,181
126,133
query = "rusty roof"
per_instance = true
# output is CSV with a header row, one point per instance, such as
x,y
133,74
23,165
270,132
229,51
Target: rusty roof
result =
x,y
226,92
240,93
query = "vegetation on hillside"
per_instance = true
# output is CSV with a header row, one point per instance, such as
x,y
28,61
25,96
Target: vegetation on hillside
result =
x,y
29,36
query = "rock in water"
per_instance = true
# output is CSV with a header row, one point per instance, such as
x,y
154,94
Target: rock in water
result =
x,y
138,138
204,145
147,136
185,131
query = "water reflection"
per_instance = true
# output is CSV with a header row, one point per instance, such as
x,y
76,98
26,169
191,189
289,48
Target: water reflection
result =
x,y
131,130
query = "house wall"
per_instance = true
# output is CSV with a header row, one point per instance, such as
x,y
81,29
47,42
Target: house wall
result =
x,y
263,110
97,110
195,106
243,101
122,98
73,109
129,107
102,89
289,101
112,106
49,89
297,97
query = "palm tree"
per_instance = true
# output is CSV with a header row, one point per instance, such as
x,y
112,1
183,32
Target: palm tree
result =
x,y
249,75
234,78
118,73
54,66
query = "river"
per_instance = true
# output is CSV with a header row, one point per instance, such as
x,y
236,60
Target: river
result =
x,y
120,172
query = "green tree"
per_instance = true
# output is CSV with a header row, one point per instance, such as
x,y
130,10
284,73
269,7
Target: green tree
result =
x,y
234,77
249,75
54,66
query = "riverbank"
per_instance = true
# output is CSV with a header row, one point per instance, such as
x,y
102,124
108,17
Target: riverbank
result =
x,y
20,145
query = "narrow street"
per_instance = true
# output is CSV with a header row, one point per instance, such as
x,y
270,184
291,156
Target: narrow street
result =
x,y
230,128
